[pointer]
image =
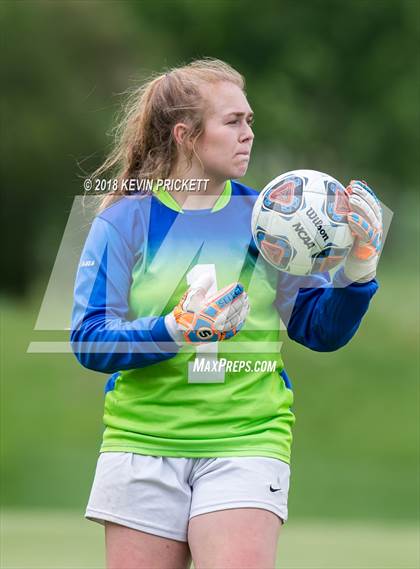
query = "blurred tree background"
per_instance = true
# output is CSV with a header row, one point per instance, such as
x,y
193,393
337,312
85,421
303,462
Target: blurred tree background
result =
x,y
335,87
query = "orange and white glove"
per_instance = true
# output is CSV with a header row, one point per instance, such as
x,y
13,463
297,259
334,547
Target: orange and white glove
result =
x,y
199,318
365,222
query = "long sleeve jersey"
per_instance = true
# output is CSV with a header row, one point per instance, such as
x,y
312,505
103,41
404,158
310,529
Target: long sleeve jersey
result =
x,y
140,256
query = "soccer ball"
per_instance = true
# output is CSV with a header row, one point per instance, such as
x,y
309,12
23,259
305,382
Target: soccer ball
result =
x,y
299,222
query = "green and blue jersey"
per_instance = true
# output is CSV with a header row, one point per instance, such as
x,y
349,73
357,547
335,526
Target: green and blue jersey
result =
x,y
140,256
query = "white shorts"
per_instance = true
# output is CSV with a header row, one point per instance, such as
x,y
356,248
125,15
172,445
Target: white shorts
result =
x,y
160,494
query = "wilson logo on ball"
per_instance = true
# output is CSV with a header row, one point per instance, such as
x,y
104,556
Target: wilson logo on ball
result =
x,y
311,213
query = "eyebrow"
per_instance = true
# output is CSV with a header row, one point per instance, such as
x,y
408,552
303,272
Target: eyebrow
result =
x,y
238,114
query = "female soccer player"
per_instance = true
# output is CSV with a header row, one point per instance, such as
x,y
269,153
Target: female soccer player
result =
x,y
173,300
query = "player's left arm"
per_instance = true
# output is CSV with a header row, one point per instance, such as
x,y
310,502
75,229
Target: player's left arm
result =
x,y
325,315
320,314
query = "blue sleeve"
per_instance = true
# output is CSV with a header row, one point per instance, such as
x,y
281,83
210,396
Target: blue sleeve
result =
x,y
102,336
320,314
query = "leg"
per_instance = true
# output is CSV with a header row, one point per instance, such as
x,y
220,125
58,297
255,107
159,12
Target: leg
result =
x,y
128,548
240,538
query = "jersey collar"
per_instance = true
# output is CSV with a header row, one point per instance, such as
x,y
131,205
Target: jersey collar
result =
x,y
166,198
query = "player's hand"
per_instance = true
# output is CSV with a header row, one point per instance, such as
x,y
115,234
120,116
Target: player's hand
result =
x,y
199,318
365,222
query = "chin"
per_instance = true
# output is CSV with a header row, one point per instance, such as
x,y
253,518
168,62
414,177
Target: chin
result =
x,y
239,172
234,173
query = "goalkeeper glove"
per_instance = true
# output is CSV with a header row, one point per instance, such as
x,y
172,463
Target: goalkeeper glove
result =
x,y
365,222
199,318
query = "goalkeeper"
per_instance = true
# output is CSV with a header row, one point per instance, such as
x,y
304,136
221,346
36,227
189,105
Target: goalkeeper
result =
x,y
196,465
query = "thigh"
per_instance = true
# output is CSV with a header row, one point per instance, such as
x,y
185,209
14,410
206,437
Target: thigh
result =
x,y
225,483
149,494
240,537
128,548
238,505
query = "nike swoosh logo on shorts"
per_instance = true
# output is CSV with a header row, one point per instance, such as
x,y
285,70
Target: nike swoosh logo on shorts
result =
x,y
274,489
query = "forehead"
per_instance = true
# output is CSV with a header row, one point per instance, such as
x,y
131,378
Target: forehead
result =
x,y
224,98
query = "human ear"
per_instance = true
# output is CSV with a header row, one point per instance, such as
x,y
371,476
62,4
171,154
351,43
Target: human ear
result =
x,y
180,133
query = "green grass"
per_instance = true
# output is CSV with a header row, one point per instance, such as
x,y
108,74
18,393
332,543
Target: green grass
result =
x,y
65,540
355,440
356,435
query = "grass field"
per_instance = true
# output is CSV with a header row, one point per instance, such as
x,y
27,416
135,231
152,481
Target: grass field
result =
x,y
64,540
355,439
355,452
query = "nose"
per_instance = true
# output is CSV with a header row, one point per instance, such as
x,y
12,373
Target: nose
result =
x,y
247,133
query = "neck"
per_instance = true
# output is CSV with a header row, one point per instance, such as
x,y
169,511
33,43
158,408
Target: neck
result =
x,y
206,194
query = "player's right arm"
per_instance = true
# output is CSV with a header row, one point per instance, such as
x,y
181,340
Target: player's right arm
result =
x,y
102,336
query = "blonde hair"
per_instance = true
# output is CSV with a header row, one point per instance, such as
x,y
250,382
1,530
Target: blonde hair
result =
x,y
144,144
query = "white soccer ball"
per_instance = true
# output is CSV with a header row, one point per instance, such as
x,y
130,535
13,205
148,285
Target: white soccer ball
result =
x,y
299,222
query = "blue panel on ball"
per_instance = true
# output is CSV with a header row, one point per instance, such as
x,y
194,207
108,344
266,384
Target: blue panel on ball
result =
x,y
276,250
285,196
328,258
336,206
